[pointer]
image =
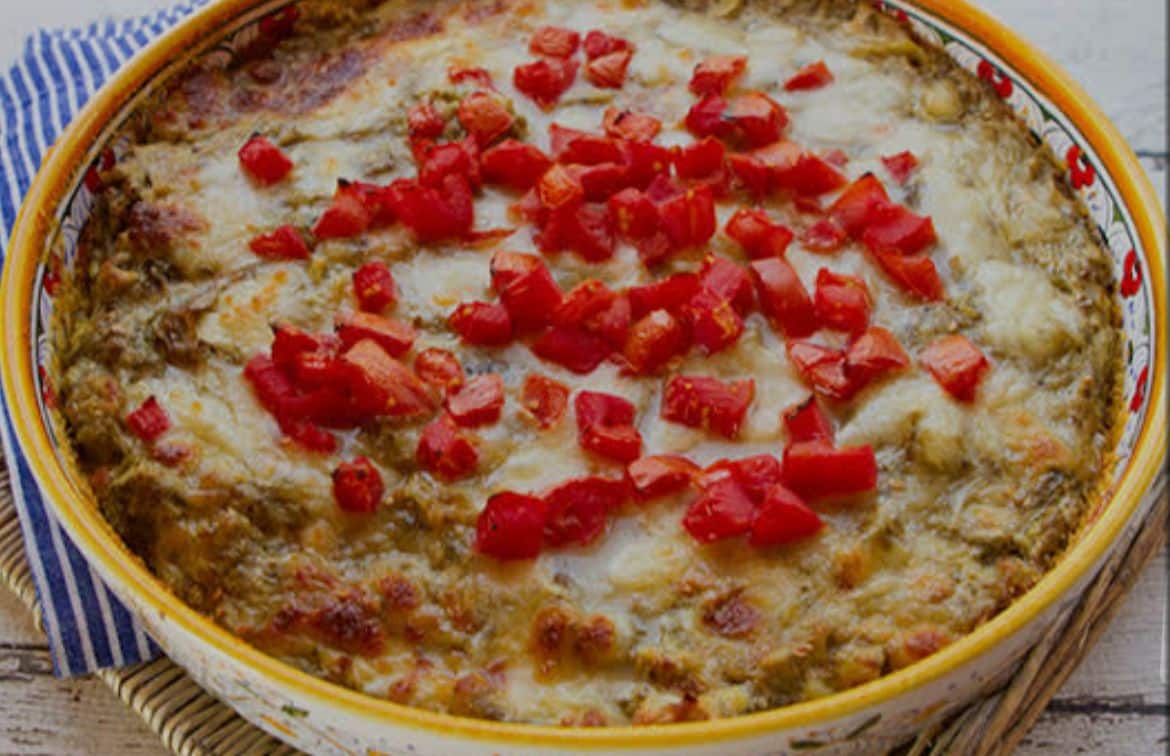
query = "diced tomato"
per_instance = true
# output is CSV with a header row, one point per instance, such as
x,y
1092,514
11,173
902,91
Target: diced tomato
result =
x,y
585,300
263,161
479,77
289,341
729,281
357,486
708,403
373,284
296,411
715,324
811,76
578,509
598,43
479,402
783,298
439,368
313,370
377,200
670,294
722,511
434,213
605,426
268,381
609,71
482,323
755,177
276,392
916,276
783,518
901,166
899,229
653,341
758,234
754,474
707,117
875,353
601,181
778,156
545,80
285,243
424,122
584,229
841,301
756,119
859,204
613,322
573,348
310,436
785,165
514,164
559,187
809,176
661,475
581,147
628,124
621,443
596,408
149,420
545,399
699,160
383,385
716,74
749,227
817,470
634,215
806,421
449,158
526,288
392,335
554,41
645,162
822,368
957,364
444,451
824,236
528,209
689,219
420,147
348,214
653,249
511,527
485,116
488,237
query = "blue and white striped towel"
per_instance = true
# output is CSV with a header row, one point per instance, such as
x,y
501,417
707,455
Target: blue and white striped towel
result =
x,y
88,628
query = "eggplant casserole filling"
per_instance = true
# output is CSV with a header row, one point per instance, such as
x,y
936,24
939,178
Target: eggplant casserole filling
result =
x,y
590,362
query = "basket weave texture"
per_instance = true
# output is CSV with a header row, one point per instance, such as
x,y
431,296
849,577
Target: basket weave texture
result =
x,y
192,722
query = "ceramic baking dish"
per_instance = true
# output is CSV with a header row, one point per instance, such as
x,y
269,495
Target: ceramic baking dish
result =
x,y
317,716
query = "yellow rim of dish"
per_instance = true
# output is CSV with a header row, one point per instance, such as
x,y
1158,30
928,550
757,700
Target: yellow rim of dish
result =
x,y
78,512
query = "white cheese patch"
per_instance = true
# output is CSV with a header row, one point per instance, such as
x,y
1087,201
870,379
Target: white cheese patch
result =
x,y
1024,314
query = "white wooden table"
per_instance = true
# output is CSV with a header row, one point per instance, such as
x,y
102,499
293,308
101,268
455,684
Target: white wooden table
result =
x,y
1115,704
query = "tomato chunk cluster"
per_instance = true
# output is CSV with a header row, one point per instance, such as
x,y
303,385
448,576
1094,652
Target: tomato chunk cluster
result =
x,y
554,71
515,526
586,194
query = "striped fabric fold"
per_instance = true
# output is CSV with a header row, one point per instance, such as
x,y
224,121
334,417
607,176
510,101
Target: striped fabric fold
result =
x,y
58,70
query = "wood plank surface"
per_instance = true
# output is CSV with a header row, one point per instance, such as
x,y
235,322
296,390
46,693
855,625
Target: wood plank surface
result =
x,y
1115,704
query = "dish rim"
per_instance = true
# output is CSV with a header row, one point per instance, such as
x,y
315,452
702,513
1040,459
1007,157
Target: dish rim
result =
x,y
77,511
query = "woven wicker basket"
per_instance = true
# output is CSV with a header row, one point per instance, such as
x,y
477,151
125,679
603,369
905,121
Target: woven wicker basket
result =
x,y
191,722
